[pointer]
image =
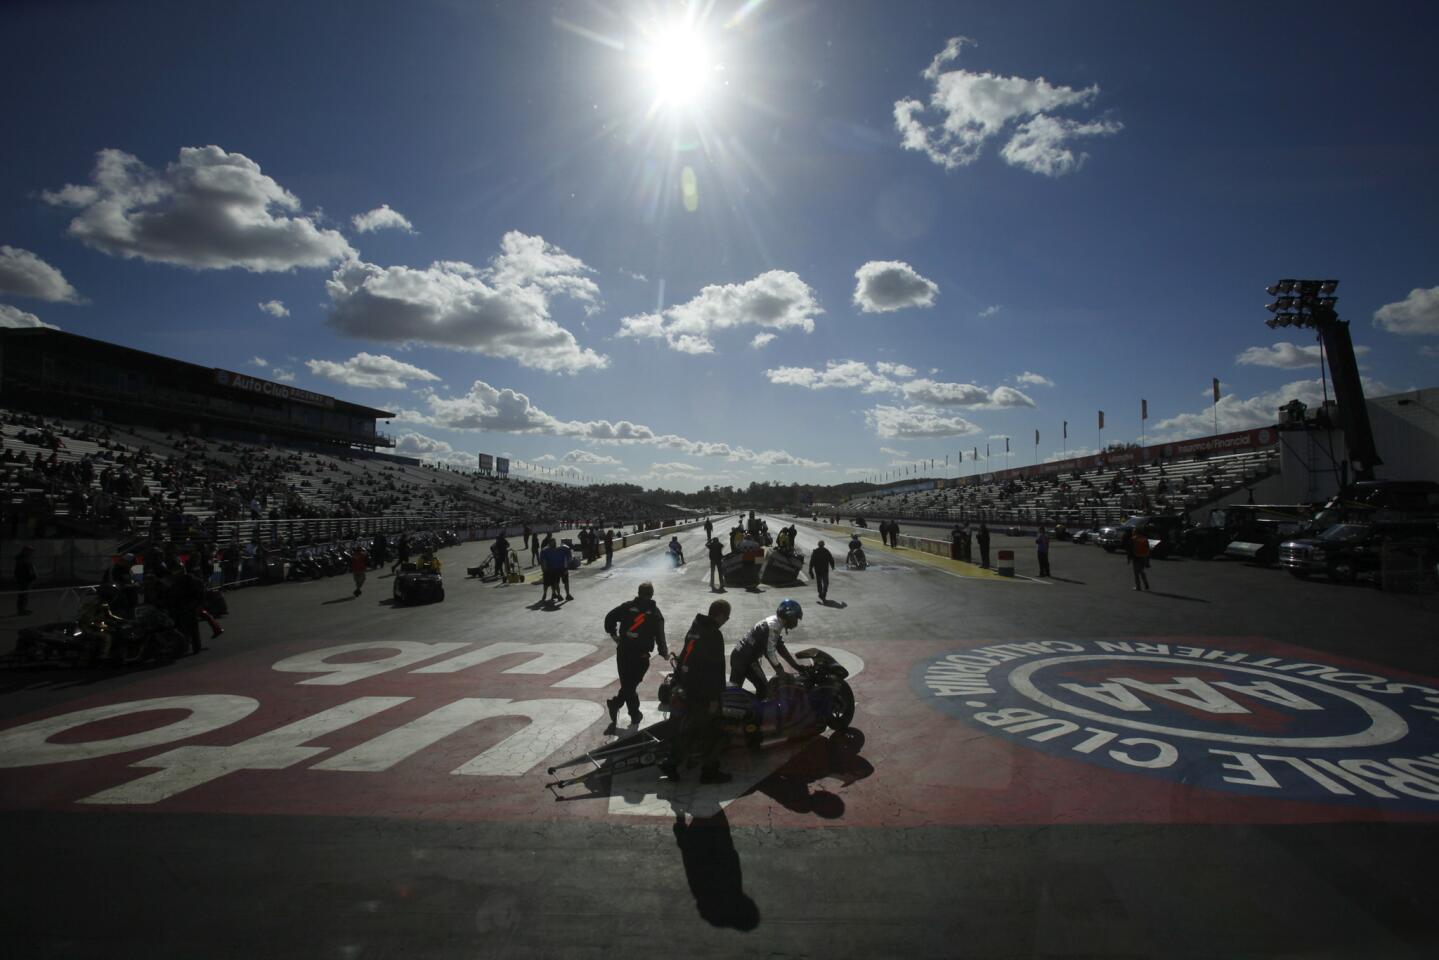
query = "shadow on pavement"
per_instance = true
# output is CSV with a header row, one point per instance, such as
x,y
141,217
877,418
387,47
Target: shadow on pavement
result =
x,y
1067,580
326,603
713,870
836,604
1177,596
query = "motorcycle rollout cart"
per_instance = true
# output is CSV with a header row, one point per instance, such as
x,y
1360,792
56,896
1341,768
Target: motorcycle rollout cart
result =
x,y
102,640
782,567
800,706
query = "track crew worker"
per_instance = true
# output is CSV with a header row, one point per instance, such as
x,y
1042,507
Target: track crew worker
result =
x,y
716,552
821,562
765,640
637,627
699,677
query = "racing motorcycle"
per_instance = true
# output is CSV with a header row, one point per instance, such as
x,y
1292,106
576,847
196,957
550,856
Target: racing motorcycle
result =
x,y
99,637
800,705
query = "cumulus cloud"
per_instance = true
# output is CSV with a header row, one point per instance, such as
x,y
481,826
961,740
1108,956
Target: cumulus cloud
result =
x,y
940,394
883,286
12,318
433,450
895,369
1285,356
674,467
893,452
258,361
761,339
282,375
23,274
965,110
990,311
501,310
1033,380
1261,410
1417,313
274,308
589,457
917,422
837,374
382,217
379,372
776,300
208,210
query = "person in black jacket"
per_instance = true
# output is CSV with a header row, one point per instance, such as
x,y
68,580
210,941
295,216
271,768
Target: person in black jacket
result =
x,y
24,576
983,540
183,596
637,627
700,677
821,561
716,551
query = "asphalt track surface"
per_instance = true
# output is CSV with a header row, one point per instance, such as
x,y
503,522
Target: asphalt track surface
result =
x,y
1234,763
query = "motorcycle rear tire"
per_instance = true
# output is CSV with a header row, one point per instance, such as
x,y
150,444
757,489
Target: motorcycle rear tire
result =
x,y
841,708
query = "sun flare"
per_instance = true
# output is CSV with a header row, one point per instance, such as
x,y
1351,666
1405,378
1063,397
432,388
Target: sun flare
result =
x,y
679,66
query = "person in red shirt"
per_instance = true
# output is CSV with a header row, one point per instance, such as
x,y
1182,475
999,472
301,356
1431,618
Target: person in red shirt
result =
x,y
359,563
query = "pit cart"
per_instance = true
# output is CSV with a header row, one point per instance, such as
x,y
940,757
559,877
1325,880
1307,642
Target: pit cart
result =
x,y
643,748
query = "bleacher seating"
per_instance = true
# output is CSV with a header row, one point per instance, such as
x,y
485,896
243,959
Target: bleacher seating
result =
x,y
1097,496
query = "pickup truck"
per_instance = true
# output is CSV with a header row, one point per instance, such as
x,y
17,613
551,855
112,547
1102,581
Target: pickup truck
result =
x,y
1345,551
1163,533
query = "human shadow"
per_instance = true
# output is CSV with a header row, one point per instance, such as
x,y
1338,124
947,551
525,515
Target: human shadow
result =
x,y
1067,580
836,604
1176,596
544,606
712,868
834,757
326,603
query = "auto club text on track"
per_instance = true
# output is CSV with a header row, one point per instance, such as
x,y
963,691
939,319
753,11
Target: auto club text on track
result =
x,y
552,722
1327,732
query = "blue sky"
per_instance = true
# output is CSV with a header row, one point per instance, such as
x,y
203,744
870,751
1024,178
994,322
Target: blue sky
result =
x,y
679,244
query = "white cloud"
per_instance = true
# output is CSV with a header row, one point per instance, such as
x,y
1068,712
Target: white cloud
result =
x,y
587,456
382,217
544,458
12,318
884,286
258,362
502,310
1039,145
281,375
379,372
274,308
837,374
1285,356
1033,380
23,274
895,369
990,311
1417,313
761,339
496,410
1261,410
674,467
941,394
893,452
965,110
633,275
209,210
1428,351
1071,453
433,451
776,300
903,422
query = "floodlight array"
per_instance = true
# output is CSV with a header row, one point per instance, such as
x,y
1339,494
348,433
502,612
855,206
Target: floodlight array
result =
x,y
1301,303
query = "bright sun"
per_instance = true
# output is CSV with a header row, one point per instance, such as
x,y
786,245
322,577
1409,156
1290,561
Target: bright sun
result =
x,y
679,66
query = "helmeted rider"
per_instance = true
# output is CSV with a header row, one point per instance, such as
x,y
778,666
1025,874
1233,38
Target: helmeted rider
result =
x,y
677,552
765,640
856,551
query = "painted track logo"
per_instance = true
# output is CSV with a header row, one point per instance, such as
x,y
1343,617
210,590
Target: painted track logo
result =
x,y
1217,719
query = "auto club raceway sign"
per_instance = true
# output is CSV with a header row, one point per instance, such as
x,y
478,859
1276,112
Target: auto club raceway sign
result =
x,y
1252,724
388,728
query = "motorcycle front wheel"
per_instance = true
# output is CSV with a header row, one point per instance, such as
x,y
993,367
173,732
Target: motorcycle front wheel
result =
x,y
841,707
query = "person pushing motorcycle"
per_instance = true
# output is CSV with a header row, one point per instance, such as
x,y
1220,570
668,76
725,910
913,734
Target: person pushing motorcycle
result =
x,y
765,640
699,677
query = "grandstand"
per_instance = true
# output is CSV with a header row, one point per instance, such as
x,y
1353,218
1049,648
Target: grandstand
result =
x,y
99,480
1079,496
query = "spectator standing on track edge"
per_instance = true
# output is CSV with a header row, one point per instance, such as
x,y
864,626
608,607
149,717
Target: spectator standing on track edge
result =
x,y
1041,549
982,538
568,555
637,627
821,562
609,548
716,551
24,576
358,565
1138,550
894,534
